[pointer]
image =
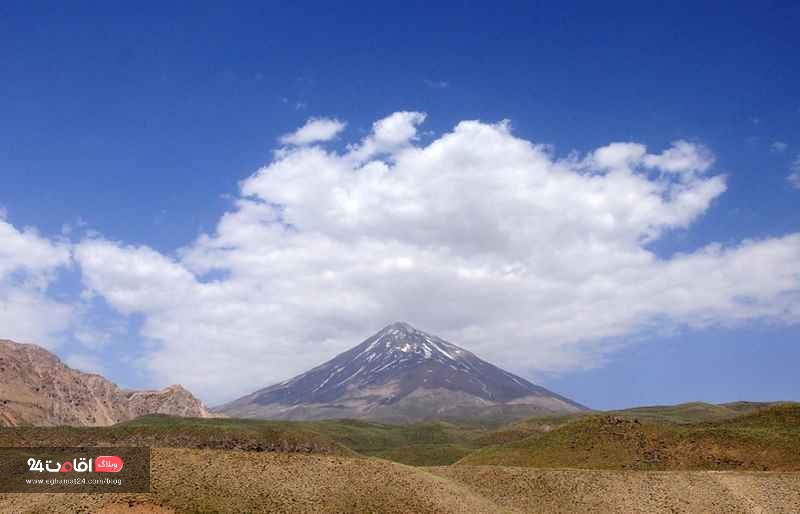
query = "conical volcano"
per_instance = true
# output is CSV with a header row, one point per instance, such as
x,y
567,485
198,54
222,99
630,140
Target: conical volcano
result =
x,y
402,374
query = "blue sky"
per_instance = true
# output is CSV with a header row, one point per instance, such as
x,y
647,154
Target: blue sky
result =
x,y
132,128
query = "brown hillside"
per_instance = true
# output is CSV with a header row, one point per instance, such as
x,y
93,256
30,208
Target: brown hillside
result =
x,y
36,388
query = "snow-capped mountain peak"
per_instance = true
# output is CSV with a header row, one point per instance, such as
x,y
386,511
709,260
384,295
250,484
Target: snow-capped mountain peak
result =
x,y
381,375
401,338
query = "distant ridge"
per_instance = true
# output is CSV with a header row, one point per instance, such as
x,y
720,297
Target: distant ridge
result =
x,y
36,388
402,374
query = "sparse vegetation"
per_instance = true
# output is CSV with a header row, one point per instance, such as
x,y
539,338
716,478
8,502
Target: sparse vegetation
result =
x,y
767,439
160,431
345,466
693,412
425,454
687,436
236,481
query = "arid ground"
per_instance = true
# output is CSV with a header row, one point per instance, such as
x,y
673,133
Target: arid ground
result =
x,y
237,481
693,458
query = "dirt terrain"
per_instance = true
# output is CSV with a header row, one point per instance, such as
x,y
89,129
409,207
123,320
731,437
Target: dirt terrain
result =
x,y
235,481
688,459
572,490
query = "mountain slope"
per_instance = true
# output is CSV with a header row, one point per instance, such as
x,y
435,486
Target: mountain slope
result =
x,y
36,388
401,374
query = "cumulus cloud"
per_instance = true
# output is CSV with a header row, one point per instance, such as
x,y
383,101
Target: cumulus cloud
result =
x,y
538,263
389,135
683,158
28,263
315,130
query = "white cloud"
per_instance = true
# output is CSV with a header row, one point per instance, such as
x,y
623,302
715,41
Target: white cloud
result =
x,y
535,262
90,336
389,135
27,252
683,158
86,362
794,176
778,147
619,156
315,130
28,263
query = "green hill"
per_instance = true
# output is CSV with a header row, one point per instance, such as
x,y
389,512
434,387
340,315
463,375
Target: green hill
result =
x,y
693,412
686,436
417,444
159,431
768,439
423,444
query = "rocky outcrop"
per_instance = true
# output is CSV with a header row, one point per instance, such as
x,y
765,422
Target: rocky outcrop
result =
x,y
36,388
174,400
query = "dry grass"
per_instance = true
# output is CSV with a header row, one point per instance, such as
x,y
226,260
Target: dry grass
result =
x,y
572,490
187,480
236,481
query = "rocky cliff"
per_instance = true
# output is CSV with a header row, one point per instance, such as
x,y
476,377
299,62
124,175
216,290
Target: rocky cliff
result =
x,y
36,388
